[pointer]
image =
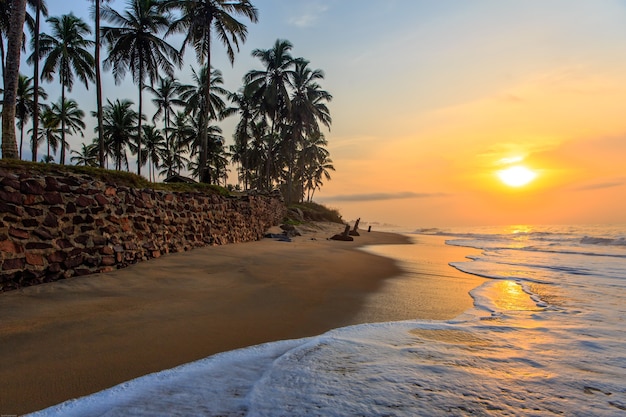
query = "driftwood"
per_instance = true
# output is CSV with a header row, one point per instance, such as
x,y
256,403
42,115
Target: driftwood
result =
x,y
344,236
355,232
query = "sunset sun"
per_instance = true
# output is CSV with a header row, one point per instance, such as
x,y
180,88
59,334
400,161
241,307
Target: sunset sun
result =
x,y
516,176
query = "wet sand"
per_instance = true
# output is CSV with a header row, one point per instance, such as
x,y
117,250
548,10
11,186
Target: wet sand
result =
x,y
78,336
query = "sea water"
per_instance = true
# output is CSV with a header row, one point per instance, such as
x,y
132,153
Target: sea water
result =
x,y
546,336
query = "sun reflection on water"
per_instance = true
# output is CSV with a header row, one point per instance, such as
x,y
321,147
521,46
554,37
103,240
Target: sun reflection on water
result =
x,y
512,297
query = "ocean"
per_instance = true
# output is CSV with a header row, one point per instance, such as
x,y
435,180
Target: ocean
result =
x,y
546,336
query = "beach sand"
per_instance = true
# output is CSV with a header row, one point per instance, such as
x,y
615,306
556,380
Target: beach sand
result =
x,y
74,337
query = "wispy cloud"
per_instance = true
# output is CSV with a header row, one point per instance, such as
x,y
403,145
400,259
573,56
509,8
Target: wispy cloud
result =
x,y
381,196
602,185
308,16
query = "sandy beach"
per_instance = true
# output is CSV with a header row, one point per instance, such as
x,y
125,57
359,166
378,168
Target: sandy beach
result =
x,y
75,337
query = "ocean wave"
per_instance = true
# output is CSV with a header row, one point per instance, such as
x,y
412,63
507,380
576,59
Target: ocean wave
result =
x,y
590,240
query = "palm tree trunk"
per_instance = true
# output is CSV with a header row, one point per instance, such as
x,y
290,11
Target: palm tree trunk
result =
x,y
21,137
3,56
63,110
204,134
139,131
34,143
14,42
101,151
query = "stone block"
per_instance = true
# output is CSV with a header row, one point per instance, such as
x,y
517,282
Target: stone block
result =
x,y
32,186
13,263
18,233
10,247
11,197
38,246
107,260
73,262
84,201
52,198
43,234
34,259
56,257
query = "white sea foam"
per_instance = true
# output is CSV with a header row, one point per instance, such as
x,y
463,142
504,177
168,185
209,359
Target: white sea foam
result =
x,y
546,337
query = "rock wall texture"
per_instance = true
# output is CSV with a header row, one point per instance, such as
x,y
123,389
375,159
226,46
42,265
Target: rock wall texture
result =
x,y
55,226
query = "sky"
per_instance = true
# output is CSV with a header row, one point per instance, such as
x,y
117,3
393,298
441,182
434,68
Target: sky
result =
x,y
433,97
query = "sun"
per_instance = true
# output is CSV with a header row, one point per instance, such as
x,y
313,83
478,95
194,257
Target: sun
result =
x,y
516,176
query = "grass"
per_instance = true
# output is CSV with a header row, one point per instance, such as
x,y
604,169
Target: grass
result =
x,y
120,178
315,212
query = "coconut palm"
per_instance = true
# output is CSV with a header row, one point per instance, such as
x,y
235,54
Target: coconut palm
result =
x,y
5,24
215,108
71,121
271,84
135,45
40,8
98,73
247,109
315,163
119,125
195,98
166,96
308,110
25,105
50,131
11,77
198,20
87,156
154,148
271,90
181,135
66,53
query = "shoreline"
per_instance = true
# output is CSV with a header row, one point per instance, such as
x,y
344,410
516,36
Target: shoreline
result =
x,y
78,336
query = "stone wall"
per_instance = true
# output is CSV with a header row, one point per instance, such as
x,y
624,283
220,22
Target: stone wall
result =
x,y
54,226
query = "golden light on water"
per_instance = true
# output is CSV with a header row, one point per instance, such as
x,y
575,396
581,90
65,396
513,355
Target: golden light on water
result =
x,y
516,176
512,297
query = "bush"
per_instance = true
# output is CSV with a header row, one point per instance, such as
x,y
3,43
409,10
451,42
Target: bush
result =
x,y
314,212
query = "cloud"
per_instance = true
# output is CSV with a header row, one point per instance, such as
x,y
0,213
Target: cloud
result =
x,y
309,16
381,196
602,185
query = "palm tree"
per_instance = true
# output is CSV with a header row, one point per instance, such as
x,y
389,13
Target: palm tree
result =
x,y
215,108
135,46
315,163
120,127
198,19
11,77
195,99
25,105
87,156
50,131
271,90
181,135
308,110
271,85
40,8
5,24
248,111
67,54
166,96
71,120
99,114
155,148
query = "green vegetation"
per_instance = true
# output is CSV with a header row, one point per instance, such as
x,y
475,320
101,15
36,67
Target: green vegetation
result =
x,y
120,178
281,106
312,212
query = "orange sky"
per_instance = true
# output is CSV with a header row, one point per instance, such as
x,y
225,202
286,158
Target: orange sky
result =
x,y
430,95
